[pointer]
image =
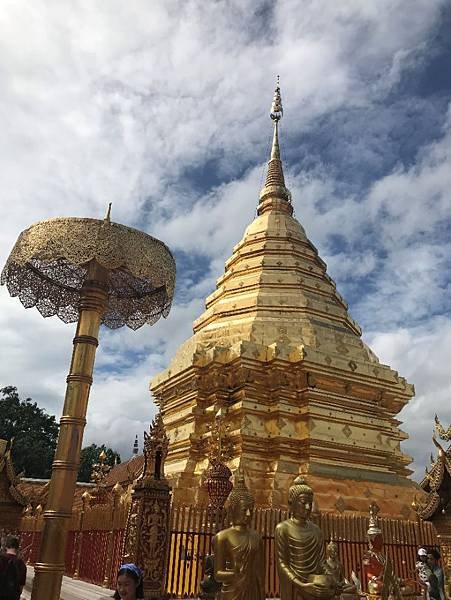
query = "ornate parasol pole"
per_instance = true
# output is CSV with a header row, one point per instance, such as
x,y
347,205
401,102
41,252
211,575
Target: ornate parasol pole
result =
x,y
93,272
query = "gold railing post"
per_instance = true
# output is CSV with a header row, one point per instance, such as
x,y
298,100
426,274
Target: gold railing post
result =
x,y
33,538
117,492
49,568
86,497
36,517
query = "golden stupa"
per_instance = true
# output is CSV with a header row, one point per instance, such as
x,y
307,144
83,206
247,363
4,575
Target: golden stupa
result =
x,y
277,352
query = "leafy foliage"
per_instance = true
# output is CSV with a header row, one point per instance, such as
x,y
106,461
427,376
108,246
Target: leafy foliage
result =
x,y
35,433
90,456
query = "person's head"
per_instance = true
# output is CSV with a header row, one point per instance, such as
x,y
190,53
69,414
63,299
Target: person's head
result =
x,y
300,499
129,584
11,544
422,555
433,558
240,502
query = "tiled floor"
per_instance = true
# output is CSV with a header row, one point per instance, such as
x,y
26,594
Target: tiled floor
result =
x,y
71,590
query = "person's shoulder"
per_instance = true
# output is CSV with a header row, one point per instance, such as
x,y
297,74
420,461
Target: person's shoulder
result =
x,y
17,560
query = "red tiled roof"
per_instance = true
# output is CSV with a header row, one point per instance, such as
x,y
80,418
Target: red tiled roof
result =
x,y
125,472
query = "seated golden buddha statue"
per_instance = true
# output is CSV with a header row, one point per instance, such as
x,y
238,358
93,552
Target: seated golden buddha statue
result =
x,y
300,551
379,576
333,567
240,559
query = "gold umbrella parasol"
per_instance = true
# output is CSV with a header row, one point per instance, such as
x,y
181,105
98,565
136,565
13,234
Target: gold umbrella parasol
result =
x,y
90,271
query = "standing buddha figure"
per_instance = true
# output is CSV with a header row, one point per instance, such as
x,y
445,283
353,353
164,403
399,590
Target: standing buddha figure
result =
x,y
300,551
240,560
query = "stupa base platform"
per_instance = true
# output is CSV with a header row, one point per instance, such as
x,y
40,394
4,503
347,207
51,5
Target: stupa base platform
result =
x,y
340,491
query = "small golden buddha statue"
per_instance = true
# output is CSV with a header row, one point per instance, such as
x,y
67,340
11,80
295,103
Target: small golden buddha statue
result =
x,y
333,567
240,559
300,551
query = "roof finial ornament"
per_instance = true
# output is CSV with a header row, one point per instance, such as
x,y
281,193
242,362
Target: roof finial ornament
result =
x,y
445,434
276,107
274,189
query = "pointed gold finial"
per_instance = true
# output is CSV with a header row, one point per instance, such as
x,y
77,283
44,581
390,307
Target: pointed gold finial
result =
x,y
276,114
274,189
276,107
445,434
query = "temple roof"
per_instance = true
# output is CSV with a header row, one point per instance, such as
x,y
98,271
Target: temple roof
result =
x,y
125,472
437,480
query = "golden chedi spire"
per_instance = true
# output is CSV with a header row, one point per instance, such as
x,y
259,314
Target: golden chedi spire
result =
x,y
275,195
277,349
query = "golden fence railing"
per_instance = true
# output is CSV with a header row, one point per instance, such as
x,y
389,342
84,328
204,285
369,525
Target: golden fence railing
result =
x,y
94,542
192,531
95,539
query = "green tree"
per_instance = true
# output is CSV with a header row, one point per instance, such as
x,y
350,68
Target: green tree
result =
x,y
35,433
90,456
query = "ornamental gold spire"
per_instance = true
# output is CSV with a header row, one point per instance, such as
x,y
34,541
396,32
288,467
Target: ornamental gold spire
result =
x,y
274,189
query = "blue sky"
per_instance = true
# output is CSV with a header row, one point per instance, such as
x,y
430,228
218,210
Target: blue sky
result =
x,y
162,108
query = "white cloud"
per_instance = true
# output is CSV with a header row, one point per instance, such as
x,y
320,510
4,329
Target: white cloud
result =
x,y
421,354
129,103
